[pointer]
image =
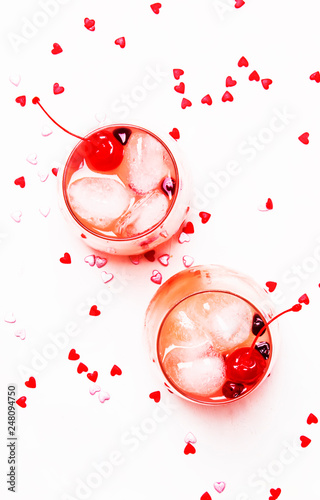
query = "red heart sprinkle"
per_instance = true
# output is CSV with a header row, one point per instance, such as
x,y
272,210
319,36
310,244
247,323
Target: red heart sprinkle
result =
x,y
189,449
115,370
304,299
155,396
156,277
305,441
121,42
315,76
269,204
243,62
227,97
254,76
177,73
230,82
73,355
239,3
22,402
304,138
185,103
204,216
271,285
83,236
57,89
156,7
92,376
56,49
205,496
266,82
188,228
89,24
275,493
66,259
180,88
94,311
150,256
20,182
175,134
82,368
55,171
207,100
21,100
312,419
31,383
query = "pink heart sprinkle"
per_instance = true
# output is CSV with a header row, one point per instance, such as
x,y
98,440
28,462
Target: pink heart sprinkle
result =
x,y
100,117
156,277
103,396
164,259
164,234
32,158
190,438
266,82
15,79
10,318
187,260
219,486
16,215
89,24
106,277
184,238
94,388
43,176
177,73
44,211
100,261
121,42
21,334
135,259
90,259
185,103
57,89
46,131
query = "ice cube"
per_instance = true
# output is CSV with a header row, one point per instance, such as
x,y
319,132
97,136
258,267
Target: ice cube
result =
x,y
147,162
200,372
97,201
143,214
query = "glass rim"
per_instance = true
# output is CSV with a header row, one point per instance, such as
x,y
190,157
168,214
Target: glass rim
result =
x,y
152,228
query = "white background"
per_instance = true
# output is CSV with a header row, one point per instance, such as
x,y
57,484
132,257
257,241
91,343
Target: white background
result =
x,y
254,444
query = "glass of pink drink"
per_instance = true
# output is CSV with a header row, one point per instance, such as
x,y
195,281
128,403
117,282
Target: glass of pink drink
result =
x,y
208,332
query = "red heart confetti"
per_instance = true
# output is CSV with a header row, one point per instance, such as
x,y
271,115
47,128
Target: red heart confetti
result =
x,y
156,277
90,24
21,100
207,100
57,89
305,441
254,76
177,73
55,171
22,402
188,228
150,256
271,285
94,311
31,383
189,448
269,204
230,82
185,103
266,82
20,182
315,76
219,486
239,3
82,368
66,259
83,236
304,138
304,299
93,376
227,97
205,496
56,49
180,88
175,134
73,355
275,493
156,396
243,62
121,42
115,370
312,419
204,216
156,7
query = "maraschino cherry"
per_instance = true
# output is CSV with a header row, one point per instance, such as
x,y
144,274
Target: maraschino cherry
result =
x,y
247,364
102,150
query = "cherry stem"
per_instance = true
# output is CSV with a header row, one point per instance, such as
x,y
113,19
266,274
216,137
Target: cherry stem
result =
x,y
295,308
36,100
